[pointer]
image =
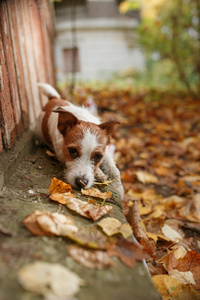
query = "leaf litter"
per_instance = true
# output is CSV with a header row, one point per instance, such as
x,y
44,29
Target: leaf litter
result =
x,y
159,152
164,149
113,226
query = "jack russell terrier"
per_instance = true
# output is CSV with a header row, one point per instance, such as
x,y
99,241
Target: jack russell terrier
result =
x,y
79,141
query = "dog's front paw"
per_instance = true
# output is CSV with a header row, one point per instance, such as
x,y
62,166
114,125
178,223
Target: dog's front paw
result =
x,y
100,176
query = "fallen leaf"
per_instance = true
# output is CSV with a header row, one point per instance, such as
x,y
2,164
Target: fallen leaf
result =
x,y
157,237
88,210
113,226
93,259
48,152
58,186
92,238
182,277
170,233
49,280
93,192
191,210
46,223
107,182
180,252
190,262
127,251
57,224
170,288
134,219
60,198
145,177
32,225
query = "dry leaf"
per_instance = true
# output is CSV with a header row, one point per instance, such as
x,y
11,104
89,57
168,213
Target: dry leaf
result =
x,y
93,259
88,210
157,237
107,182
48,152
145,177
133,217
93,192
46,223
61,198
58,186
32,225
49,280
190,262
182,277
191,210
170,288
170,233
57,224
180,252
90,237
113,226
127,251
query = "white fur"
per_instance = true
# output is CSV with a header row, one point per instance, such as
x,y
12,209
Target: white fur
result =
x,y
48,90
81,166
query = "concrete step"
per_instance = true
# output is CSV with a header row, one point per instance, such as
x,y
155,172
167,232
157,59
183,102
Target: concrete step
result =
x,y
27,183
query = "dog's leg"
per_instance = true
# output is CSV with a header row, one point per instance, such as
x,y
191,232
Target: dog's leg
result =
x,y
109,168
100,176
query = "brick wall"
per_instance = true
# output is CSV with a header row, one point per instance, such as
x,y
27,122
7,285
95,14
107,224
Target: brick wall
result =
x,y
26,57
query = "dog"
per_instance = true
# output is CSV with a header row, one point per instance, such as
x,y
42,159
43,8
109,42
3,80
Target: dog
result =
x,y
79,140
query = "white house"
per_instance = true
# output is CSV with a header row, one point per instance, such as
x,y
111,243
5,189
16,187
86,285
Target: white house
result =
x,y
95,40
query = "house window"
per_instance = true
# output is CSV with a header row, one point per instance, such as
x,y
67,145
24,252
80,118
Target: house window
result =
x,y
71,60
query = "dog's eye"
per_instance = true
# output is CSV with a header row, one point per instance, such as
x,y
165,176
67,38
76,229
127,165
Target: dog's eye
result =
x,y
73,152
98,157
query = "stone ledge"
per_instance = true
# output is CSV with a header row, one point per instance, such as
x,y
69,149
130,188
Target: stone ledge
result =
x,y
22,174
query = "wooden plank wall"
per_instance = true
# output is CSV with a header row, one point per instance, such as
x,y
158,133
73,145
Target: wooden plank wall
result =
x,y
26,57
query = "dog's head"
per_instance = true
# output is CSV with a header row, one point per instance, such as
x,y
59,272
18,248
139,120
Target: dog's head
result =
x,y
84,146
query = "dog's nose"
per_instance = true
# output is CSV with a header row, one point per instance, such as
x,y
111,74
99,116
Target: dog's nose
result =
x,y
81,182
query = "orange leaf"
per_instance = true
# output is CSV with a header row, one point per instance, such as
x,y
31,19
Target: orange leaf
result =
x,y
58,186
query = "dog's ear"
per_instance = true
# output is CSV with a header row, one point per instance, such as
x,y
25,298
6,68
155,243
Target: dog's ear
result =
x,y
66,120
109,125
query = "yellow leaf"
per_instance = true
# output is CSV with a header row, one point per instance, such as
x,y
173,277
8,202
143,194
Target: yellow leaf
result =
x,y
113,226
170,288
172,234
157,213
104,183
145,177
145,210
155,236
92,192
48,152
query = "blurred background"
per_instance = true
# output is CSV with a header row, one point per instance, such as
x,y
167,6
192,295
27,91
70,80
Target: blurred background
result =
x,y
143,44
